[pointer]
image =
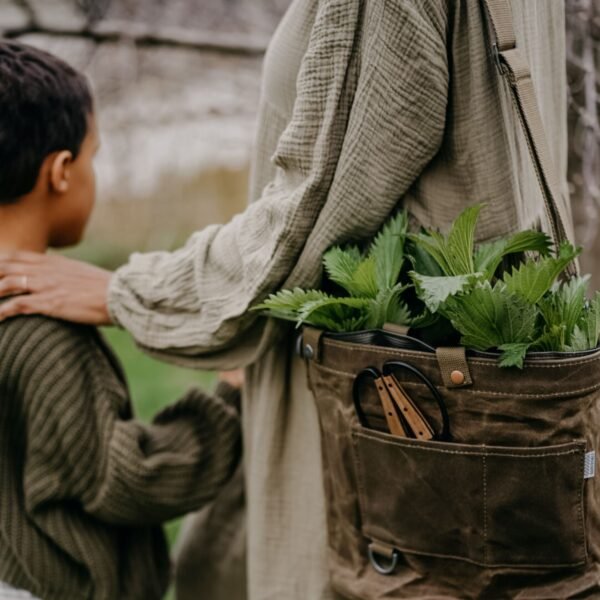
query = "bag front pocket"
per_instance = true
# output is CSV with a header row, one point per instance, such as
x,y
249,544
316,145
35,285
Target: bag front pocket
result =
x,y
492,506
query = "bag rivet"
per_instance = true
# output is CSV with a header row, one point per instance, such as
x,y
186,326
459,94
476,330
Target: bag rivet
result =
x,y
457,377
308,351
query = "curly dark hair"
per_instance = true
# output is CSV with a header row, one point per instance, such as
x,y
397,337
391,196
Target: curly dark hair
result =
x,y
45,107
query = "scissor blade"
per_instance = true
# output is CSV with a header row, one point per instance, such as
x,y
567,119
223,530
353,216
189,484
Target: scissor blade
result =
x,y
419,426
391,414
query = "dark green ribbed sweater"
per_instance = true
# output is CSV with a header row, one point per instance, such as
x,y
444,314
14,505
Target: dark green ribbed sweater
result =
x,y
84,486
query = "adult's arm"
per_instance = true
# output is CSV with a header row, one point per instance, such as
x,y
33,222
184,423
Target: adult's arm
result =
x,y
369,115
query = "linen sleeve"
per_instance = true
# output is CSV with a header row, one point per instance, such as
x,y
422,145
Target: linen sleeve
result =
x,y
84,447
369,114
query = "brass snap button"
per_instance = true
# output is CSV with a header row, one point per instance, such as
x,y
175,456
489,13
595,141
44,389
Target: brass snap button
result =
x,y
457,377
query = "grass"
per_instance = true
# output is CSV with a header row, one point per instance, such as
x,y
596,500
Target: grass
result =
x,y
153,385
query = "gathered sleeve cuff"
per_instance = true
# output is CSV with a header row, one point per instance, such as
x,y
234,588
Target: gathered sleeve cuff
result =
x,y
176,465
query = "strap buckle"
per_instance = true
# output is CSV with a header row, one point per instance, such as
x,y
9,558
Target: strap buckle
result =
x,y
496,55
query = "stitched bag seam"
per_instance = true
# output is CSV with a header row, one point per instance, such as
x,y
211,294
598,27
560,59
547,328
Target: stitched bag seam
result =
x,y
354,347
482,391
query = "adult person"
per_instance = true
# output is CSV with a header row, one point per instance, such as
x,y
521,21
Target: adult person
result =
x,y
365,106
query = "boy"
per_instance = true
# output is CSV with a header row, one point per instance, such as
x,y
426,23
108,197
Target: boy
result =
x,y
83,486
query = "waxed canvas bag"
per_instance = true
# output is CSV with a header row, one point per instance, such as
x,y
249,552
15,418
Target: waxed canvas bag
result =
x,y
510,508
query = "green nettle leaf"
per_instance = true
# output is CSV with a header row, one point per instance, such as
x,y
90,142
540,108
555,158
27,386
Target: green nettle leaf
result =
x,y
379,270
388,308
434,291
422,262
461,241
424,319
579,341
571,299
513,355
587,332
287,303
561,311
335,314
434,244
439,241
489,255
398,313
528,241
351,324
552,339
454,252
347,268
489,317
341,265
592,321
387,251
533,279
365,279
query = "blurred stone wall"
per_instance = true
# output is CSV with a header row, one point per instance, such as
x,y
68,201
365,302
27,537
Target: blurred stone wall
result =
x,y
177,87
583,69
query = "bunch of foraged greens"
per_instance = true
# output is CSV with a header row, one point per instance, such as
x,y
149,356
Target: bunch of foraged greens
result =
x,y
525,309
369,282
453,280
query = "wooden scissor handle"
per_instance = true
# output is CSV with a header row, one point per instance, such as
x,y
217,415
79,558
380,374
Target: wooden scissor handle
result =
x,y
394,422
418,424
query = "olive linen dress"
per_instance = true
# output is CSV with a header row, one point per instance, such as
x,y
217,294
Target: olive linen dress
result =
x,y
366,106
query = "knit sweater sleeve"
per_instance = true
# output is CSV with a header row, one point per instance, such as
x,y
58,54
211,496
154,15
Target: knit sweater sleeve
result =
x,y
84,446
369,114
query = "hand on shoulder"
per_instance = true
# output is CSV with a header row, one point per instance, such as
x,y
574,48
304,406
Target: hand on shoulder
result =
x,y
54,286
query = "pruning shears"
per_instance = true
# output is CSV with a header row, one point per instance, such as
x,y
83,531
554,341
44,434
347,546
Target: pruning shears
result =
x,y
403,416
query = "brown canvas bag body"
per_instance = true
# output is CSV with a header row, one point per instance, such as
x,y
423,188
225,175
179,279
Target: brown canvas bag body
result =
x,y
510,508
503,511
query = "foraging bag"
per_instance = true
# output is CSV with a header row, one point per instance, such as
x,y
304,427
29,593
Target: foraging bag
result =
x,y
504,504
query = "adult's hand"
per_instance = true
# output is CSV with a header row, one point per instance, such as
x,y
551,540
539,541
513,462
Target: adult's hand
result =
x,y
54,286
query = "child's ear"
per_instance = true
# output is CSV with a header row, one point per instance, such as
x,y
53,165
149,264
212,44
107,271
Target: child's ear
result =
x,y
60,172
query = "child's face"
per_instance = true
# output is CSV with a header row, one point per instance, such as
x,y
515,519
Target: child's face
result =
x,y
72,212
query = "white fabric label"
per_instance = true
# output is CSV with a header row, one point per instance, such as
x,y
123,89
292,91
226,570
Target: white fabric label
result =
x,y
589,465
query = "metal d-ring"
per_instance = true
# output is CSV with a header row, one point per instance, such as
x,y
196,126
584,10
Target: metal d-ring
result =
x,y
384,569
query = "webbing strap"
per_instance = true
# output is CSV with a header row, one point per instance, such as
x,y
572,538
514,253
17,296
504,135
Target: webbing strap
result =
x,y
500,15
454,366
514,68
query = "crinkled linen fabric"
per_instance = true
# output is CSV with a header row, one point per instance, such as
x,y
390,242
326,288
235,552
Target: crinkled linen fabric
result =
x,y
366,106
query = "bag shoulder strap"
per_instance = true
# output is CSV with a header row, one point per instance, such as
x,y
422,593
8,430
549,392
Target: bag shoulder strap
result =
x,y
514,68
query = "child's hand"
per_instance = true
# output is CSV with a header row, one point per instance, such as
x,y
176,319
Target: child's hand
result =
x,y
233,378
